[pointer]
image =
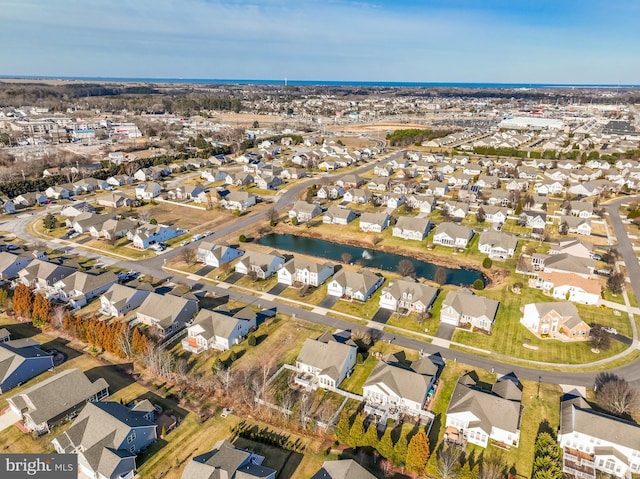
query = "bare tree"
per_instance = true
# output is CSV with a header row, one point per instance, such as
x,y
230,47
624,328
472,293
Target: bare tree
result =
x,y
272,215
599,338
287,400
616,395
144,215
440,276
304,407
492,466
189,255
57,316
346,257
448,462
406,268
124,343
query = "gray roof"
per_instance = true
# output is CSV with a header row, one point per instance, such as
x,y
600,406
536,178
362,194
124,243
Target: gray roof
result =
x,y
454,230
413,223
165,309
84,282
55,395
465,302
576,415
498,239
39,269
329,357
358,281
402,382
102,429
119,294
337,212
345,469
257,258
491,409
224,461
417,291
567,262
216,324
295,264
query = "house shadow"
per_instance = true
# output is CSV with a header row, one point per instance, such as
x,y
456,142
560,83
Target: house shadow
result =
x,y
117,376
168,404
22,330
61,345
150,451
213,302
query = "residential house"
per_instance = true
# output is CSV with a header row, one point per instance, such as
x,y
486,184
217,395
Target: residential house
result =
x,y
146,235
555,319
393,389
119,299
393,200
107,437
408,296
497,245
357,196
7,206
325,362
495,214
383,170
487,181
79,288
262,265
147,174
565,263
349,181
411,228
576,224
115,199
569,286
268,182
422,202
338,216
239,179
304,272
304,212
595,441
293,173
41,274
238,200
83,222
573,247
452,235
119,180
213,175
549,187
30,199
477,415
217,330
20,361
583,209
343,469
375,222
148,191
57,192
437,189
77,208
330,192
167,313
455,209
113,229
216,255
227,461
56,399
186,192
497,198
533,220
354,285
461,307
11,264
379,184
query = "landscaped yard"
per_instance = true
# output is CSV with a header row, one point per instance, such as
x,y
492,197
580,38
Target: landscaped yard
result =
x,y
508,335
359,309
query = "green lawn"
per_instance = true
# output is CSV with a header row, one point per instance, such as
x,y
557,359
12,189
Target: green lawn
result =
x,y
262,285
508,335
314,295
359,375
616,298
359,309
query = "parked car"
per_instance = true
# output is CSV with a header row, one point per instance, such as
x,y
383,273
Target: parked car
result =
x,y
603,271
226,411
597,256
185,243
611,330
207,233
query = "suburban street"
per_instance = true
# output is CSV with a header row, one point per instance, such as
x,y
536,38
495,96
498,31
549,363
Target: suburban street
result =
x,y
573,374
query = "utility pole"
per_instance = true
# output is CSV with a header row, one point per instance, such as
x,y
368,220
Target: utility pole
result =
x,y
538,394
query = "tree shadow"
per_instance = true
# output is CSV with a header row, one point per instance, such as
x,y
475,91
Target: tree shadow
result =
x,y
117,376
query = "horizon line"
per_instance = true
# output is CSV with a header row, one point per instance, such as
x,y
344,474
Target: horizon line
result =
x,y
293,82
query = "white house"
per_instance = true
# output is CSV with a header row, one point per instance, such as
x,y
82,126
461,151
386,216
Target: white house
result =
x,y
497,245
215,255
167,313
461,306
148,191
338,216
596,441
374,222
262,265
146,235
238,200
304,212
354,285
215,330
79,288
406,295
304,272
119,299
411,228
452,235
324,362
477,415
569,286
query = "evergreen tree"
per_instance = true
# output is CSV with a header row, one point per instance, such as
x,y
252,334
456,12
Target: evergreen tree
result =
x,y
400,450
418,453
385,445
466,472
356,434
371,436
343,428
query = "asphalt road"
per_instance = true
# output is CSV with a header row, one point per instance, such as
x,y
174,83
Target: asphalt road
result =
x,y
573,376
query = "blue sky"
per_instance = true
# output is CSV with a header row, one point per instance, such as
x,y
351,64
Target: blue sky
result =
x,y
570,41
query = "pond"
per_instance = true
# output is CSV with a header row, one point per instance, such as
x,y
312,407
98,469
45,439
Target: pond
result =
x,y
366,257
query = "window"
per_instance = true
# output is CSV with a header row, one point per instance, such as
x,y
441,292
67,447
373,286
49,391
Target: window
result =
x,y
131,437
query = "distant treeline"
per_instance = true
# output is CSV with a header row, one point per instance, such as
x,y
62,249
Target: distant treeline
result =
x,y
254,142
412,136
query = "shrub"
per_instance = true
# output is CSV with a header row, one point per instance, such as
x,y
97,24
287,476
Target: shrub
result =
x,y
294,221
242,239
153,221
251,340
487,263
478,284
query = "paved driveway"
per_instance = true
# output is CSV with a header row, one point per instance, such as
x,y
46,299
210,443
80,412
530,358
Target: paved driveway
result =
x,y
277,289
205,270
328,302
445,331
234,278
8,418
382,316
